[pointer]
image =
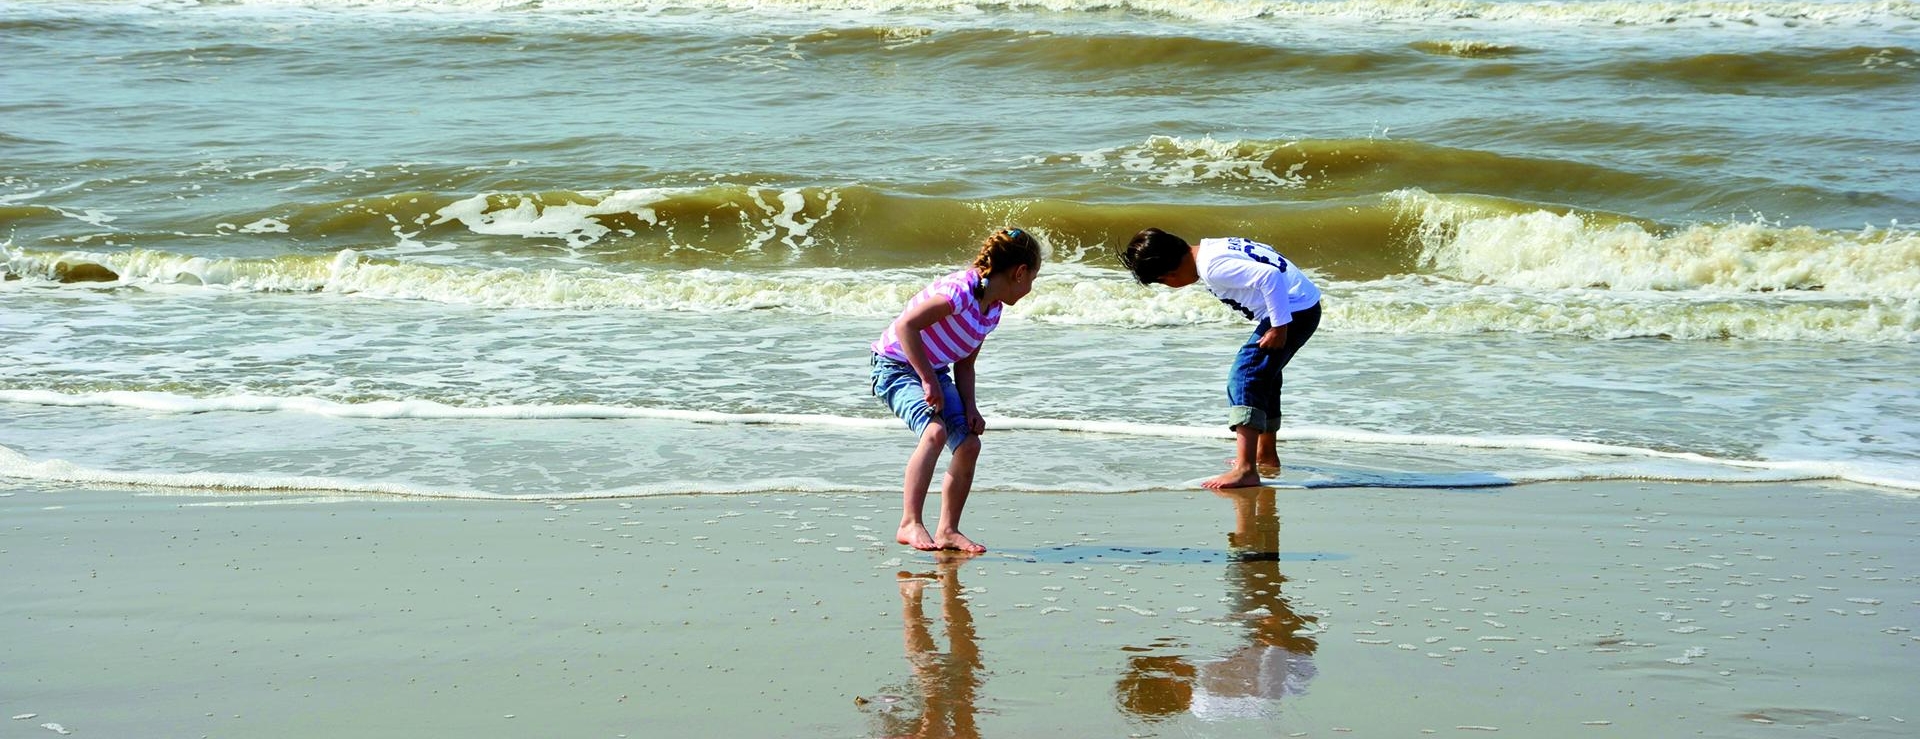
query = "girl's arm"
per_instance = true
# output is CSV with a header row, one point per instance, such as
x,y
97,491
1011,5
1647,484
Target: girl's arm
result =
x,y
963,380
908,327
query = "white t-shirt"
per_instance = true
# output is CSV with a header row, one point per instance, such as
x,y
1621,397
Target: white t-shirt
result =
x,y
1255,280
1250,683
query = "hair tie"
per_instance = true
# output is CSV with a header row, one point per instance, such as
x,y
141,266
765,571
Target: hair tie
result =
x,y
1014,232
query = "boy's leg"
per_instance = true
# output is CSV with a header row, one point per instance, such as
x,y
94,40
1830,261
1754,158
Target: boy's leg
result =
x,y
1299,330
1250,394
1267,453
1241,473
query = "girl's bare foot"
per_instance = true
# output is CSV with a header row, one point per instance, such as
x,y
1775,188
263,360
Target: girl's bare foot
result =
x,y
911,584
1237,477
916,536
959,541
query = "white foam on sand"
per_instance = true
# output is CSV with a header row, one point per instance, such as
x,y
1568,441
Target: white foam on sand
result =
x,y
417,409
15,465
1635,463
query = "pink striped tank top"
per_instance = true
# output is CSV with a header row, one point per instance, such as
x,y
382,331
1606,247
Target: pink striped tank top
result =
x,y
954,337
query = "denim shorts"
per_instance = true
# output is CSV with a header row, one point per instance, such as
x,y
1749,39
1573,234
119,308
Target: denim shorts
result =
x,y
898,386
1254,382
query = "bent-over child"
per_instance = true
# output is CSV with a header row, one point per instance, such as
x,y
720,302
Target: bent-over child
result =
x,y
1255,280
923,371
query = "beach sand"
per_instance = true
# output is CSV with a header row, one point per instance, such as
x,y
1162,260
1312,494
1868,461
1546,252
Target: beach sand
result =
x,y
1548,610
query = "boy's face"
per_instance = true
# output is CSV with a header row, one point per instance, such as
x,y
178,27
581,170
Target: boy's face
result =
x,y
1185,274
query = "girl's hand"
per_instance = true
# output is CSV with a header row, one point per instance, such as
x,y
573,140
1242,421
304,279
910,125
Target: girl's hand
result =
x,y
935,398
976,422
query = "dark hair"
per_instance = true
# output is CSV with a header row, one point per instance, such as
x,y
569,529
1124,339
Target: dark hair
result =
x,y
1152,254
1005,249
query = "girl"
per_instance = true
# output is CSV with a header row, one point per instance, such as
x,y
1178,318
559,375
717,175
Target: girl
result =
x,y
942,328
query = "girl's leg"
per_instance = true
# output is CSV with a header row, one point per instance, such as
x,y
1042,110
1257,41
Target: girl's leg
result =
x,y
953,497
913,494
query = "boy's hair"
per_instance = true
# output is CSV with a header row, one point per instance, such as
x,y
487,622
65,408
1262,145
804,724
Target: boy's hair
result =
x,y
1152,254
1005,249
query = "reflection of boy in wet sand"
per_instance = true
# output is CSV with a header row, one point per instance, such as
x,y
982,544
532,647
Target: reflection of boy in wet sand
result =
x,y
946,683
1277,660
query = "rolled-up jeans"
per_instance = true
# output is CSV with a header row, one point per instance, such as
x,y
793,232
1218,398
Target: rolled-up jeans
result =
x,y
1253,385
897,385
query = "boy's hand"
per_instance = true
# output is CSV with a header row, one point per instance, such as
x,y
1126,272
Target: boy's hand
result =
x,y
1273,340
976,422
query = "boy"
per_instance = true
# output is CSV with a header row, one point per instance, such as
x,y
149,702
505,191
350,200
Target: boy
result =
x,y
1255,280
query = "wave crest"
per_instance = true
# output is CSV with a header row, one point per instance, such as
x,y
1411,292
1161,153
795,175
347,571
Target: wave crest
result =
x,y
1485,243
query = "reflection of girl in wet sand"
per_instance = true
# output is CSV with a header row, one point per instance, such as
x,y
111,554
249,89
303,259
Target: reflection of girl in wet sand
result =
x,y
947,683
1277,659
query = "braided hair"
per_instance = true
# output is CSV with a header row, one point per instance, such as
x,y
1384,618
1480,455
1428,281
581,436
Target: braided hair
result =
x,y
1005,249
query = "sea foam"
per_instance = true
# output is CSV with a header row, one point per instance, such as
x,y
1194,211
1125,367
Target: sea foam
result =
x,y
1610,461
1539,249
1544,300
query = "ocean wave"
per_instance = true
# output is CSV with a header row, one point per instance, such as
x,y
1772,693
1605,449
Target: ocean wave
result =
x,y
1365,167
1850,70
1338,204
1469,49
1095,55
1490,243
1469,238
1110,57
1581,12
1067,294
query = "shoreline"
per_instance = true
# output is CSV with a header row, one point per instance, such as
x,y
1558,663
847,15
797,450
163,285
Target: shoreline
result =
x,y
1542,610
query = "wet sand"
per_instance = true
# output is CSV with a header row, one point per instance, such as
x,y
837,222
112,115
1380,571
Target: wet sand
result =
x,y
1549,610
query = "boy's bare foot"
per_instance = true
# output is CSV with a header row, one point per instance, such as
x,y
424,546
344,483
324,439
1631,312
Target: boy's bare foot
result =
x,y
1266,467
959,541
1238,477
916,536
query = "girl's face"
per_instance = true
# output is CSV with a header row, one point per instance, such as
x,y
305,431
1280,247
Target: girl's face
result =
x,y
1019,283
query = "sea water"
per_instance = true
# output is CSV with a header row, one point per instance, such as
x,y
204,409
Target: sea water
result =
x,y
604,248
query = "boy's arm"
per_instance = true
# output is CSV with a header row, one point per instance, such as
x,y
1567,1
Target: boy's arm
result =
x,y
1275,338
1272,285
908,327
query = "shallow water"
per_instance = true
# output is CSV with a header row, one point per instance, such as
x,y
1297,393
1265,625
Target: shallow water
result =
x,y
1577,240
